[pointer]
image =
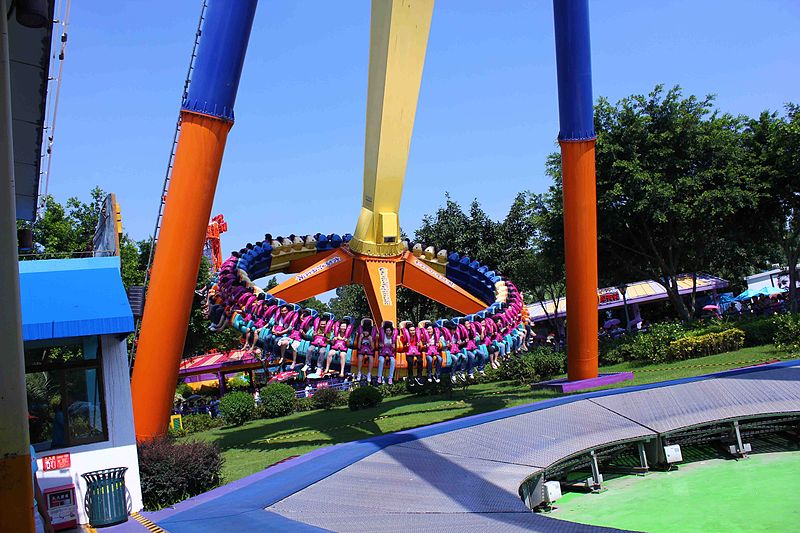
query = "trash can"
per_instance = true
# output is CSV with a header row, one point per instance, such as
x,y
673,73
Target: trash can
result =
x,y
105,497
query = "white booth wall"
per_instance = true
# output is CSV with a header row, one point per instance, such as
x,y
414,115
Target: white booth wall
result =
x,y
120,448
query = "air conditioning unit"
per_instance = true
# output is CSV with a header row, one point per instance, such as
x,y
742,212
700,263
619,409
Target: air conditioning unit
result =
x,y
673,454
552,491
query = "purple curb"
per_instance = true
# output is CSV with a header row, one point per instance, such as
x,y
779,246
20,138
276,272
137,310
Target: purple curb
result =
x,y
563,385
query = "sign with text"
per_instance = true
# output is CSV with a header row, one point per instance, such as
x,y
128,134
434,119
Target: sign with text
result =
x,y
56,462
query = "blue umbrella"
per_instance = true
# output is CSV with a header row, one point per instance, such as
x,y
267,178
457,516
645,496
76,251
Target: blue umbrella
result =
x,y
769,291
746,295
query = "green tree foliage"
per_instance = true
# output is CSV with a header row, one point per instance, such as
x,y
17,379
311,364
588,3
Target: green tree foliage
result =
x,y
774,146
674,191
350,300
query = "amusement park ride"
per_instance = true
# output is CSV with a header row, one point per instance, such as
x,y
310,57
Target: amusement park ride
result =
x,y
374,256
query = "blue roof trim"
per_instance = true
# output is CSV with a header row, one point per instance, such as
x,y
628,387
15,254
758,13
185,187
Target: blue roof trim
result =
x,y
73,298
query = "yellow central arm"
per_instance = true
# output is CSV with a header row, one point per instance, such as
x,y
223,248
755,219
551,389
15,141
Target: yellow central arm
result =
x,y
398,40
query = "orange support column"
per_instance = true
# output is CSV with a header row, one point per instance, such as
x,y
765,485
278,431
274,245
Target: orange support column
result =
x,y
206,119
174,271
580,248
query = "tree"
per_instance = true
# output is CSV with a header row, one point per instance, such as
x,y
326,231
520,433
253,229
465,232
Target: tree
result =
x,y
350,300
674,194
774,148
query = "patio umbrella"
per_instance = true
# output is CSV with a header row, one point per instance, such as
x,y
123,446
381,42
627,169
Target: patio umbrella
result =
x,y
711,308
746,295
770,291
611,323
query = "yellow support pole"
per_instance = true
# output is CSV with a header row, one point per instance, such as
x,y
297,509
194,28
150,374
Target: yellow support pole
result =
x,y
398,42
16,492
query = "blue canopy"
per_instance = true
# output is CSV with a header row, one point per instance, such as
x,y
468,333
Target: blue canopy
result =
x,y
746,295
73,298
769,291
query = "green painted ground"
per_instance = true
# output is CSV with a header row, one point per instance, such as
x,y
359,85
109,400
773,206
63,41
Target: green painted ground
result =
x,y
756,494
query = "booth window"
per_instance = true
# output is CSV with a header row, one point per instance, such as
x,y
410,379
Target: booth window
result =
x,y
64,382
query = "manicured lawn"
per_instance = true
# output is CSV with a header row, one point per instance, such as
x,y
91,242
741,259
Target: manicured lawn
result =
x,y
260,443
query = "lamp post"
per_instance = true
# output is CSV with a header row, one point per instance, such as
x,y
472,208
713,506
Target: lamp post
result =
x,y
623,289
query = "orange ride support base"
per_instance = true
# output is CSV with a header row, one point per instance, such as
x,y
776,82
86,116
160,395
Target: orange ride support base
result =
x,y
580,238
174,272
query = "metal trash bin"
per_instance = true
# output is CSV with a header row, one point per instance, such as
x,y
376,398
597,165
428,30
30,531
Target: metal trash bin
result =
x,y
105,497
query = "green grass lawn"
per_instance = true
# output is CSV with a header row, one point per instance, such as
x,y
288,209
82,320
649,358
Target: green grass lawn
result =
x,y
260,443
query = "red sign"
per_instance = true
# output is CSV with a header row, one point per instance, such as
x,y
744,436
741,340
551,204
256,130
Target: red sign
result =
x,y
56,462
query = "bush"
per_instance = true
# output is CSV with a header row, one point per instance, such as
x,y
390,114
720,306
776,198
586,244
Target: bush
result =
x,y
712,343
236,408
787,331
653,346
171,472
277,399
547,363
520,369
394,389
184,390
364,398
198,423
758,331
327,398
303,404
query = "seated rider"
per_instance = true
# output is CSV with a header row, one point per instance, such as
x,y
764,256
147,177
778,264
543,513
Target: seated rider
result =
x,y
387,349
319,341
433,354
413,347
365,343
282,326
338,346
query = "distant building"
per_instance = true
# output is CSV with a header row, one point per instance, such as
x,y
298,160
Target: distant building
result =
x,y
777,277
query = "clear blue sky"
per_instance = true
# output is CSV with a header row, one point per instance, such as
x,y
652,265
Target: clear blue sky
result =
x,y
487,114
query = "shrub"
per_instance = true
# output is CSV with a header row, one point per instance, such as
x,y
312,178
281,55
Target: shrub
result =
x,y
547,363
198,423
758,331
654,345
327,398
184,390
709,344
787,331
171,472
520,369
277,399
236,408
364,398
394,389
303,404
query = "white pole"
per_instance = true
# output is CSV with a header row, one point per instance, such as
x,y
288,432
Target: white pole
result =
x,y
16,493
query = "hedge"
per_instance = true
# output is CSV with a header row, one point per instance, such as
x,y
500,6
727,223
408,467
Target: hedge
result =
x,y
703,345
171,472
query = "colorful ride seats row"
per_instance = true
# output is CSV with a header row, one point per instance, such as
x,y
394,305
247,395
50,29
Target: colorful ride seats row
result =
x,y
478,280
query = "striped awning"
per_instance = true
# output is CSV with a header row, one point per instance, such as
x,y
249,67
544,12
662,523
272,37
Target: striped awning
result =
x,y
214,361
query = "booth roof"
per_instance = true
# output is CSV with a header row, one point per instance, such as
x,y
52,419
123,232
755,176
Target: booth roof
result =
x,y
73,298
635,293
